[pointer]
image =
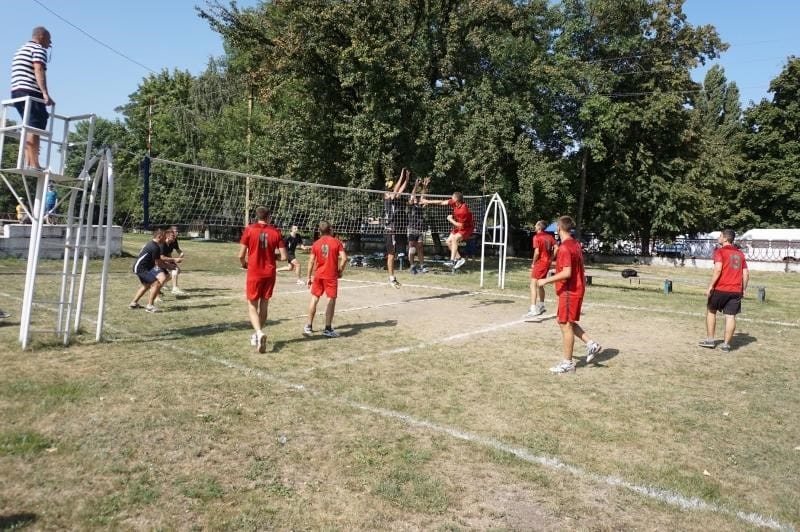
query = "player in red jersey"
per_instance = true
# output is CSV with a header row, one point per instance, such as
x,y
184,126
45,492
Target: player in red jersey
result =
x,y
726,289
257,256
570,289
325,267
462,223
544,248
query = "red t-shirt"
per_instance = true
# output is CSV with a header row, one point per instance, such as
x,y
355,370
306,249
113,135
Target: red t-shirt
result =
x,y
325,252
570,254
733,263
545,243
462,215
261,240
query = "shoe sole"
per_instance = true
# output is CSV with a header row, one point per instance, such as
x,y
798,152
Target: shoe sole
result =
x,y
590,356
707,346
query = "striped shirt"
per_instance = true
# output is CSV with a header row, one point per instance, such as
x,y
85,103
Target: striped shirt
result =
x,y
22,75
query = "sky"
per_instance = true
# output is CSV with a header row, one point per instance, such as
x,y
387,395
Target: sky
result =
x,y
86,77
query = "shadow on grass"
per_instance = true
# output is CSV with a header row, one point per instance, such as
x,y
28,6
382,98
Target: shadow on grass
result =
x,y
445,295
202,291
183,308
603,356
350,329
487,302
742,339
17,521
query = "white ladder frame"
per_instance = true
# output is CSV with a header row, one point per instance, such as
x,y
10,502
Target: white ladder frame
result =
x,y
497,232
80,232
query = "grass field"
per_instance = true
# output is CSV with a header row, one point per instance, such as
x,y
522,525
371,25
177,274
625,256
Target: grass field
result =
x,y
435,409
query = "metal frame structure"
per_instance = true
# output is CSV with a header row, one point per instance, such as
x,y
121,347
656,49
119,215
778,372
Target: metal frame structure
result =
x,y
81,233
495,234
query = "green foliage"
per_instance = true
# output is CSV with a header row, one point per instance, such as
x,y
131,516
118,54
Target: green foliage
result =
x,y
584,107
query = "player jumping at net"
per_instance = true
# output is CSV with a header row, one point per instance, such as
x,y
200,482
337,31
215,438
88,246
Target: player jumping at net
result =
x,y
726,290
416,226
544,247
463,226
325,268
150,269
293,241
394,210
570,289
257,255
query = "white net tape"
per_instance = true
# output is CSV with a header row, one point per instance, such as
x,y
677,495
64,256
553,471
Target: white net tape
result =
x,y
202,197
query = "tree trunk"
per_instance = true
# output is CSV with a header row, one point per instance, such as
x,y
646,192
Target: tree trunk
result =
x,y
581,193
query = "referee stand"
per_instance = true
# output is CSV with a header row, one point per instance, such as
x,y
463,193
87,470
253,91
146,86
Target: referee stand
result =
x,y
83,194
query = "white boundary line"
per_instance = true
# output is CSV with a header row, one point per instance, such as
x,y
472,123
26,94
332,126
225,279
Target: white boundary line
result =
x,y
421,345
671,498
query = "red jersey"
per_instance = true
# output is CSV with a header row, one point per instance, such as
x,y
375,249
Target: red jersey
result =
x,y
261,240
545,243
570,254
325,252
733,264
462,215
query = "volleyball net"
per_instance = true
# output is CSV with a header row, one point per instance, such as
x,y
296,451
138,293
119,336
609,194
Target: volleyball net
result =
x,y
204,198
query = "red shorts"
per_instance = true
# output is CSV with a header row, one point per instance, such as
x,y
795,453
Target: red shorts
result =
x,y
329,286
569,308
539,270
259,287
464,234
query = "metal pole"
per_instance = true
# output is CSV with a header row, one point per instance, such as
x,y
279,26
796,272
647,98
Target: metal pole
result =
x,y
145,169
33,259
109,226
247,161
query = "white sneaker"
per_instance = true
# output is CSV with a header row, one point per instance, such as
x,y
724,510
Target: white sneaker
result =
x,y
151,308
330,333
179,292
592,348
394,283
307,330
261,340
459,263
253,340
566,366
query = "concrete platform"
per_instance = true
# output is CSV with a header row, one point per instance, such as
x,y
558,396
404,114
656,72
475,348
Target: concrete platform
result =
x,y
14,240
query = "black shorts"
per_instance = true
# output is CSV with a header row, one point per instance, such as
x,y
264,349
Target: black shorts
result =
x,y
148,277
416,236
729,303
290,257
396,242
38,114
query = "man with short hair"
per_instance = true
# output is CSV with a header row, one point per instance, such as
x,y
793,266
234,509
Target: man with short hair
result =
x,y
726,290
570,289
150,269
50,203
394,213
325,267
29,78
463,226
293,241
544,246
257,255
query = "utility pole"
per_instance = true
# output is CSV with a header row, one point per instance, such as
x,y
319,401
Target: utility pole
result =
x,y
248,155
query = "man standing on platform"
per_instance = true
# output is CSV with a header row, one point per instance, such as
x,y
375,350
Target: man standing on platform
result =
x,y
257,256
29,78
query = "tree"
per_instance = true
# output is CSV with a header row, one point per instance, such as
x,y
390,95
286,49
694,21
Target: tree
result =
x,y
771,192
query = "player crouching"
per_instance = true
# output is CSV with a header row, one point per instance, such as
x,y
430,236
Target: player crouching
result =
x,y
150,269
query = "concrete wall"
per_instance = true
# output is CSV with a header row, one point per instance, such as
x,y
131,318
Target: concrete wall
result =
x,y
755,265
14,241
